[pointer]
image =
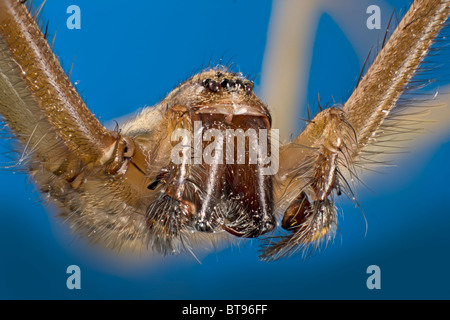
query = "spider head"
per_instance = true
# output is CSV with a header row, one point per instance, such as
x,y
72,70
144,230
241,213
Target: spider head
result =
x,y
216,87
220,133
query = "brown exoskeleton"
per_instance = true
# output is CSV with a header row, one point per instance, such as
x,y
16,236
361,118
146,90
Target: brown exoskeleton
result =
x,y
124,188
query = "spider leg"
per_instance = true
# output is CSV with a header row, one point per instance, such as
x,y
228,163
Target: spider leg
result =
x,y
313,167
91,172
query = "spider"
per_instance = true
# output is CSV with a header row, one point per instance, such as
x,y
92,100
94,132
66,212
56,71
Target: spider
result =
x,y
141,185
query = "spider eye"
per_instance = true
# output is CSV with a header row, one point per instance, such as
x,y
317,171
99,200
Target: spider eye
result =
x,y
205,83
211,85
228,84
248,87
224,84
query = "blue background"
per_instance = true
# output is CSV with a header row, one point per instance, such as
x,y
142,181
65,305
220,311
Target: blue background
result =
x,y
129,56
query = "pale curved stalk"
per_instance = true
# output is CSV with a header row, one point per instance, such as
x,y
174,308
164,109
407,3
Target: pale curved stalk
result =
x,y
286,60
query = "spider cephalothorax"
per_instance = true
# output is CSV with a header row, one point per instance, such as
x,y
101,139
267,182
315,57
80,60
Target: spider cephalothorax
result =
x,y
215,179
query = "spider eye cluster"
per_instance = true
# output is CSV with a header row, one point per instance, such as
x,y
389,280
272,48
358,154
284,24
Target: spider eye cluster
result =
x,y
227,84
